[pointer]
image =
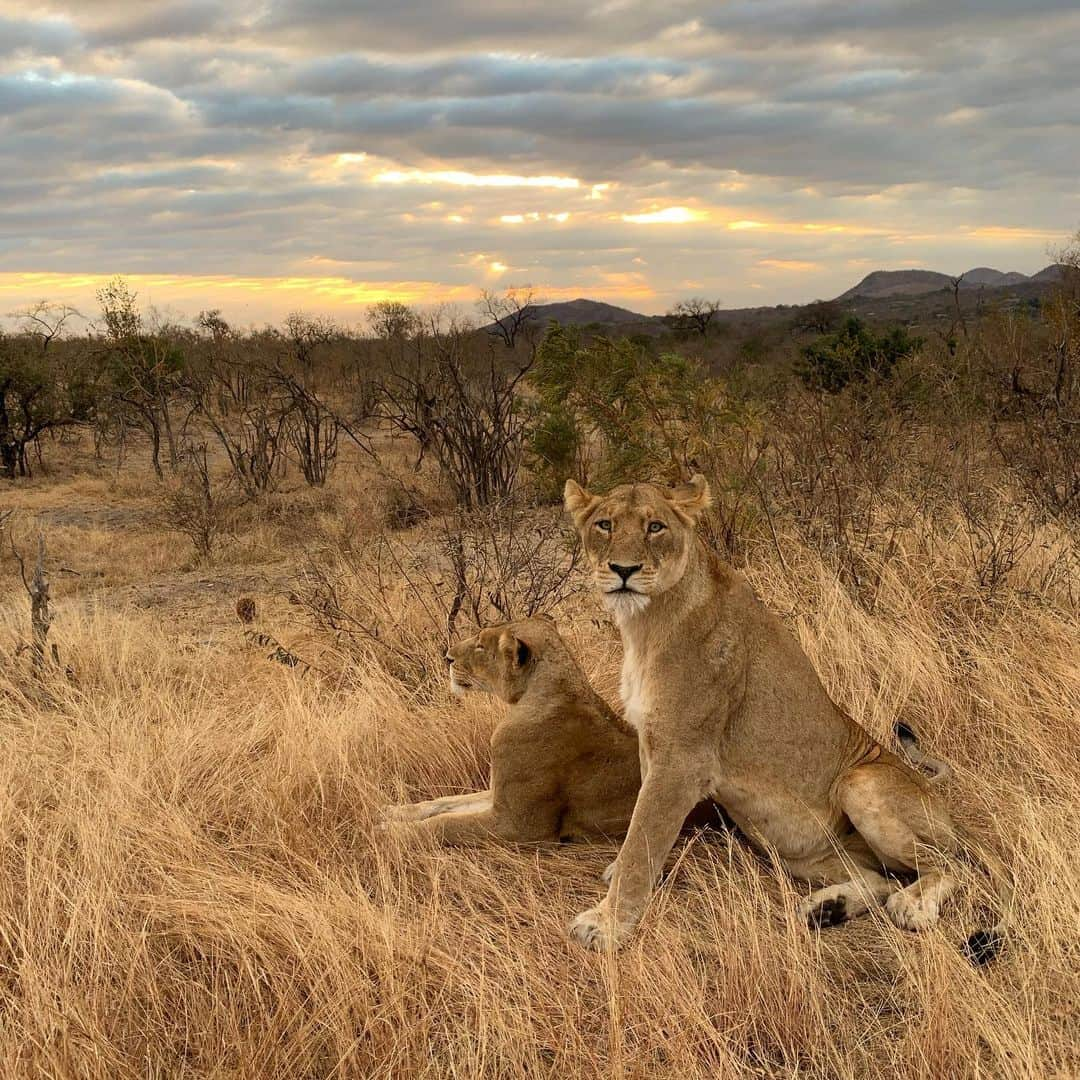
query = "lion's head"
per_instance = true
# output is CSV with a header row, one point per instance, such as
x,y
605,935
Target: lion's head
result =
x,y
637,538
500,660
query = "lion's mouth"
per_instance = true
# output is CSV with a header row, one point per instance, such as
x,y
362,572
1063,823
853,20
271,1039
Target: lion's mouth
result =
x,y
459,685
624,590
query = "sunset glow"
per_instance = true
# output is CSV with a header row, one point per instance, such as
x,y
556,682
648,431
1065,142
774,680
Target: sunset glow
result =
x,y
265,157
670,215
465,179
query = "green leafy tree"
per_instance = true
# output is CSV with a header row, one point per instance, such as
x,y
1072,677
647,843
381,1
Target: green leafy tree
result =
x,y
853,353
41,389
610,408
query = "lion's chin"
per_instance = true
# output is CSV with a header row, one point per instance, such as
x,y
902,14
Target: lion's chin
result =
x,y
458,689
624,603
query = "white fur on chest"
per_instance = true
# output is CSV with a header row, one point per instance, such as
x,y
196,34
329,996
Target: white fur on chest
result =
x,y
632,689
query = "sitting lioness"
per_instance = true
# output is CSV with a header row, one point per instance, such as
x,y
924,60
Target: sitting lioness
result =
x,y
727,705
563,765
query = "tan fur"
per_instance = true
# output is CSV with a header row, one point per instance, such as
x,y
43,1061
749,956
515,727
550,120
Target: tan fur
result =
x,y
726,704
563,766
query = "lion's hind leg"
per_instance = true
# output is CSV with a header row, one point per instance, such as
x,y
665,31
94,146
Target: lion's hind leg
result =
x,y
909,831
852,889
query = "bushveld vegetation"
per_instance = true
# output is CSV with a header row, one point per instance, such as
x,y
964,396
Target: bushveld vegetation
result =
x,y
193,883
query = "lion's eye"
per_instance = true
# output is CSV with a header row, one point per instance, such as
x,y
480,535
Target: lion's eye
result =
x,y
604,525
656,526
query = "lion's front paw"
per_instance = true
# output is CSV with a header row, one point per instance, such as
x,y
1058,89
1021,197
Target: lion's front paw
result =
x,y
596,929
912,911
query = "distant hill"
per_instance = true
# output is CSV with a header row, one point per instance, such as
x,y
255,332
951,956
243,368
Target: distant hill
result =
x,y
887,283
1050,274
582,312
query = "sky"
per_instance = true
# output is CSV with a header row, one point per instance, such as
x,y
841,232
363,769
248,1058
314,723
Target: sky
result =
x,y
265,156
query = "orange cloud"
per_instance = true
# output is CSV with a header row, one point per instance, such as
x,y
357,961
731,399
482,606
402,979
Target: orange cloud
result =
x,y
794,265
669,215
457,178
251,297
256,299
1011,232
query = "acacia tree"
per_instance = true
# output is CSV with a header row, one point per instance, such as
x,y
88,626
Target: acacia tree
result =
x,y
146,368
512,313
45,321
391,320
304,335
41,388
695,314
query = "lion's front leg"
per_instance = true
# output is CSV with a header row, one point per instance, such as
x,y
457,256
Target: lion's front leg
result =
x,y
667,796
449,804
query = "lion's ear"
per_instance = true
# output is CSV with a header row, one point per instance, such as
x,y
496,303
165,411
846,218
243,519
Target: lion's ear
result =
x,y
692,498
577,501
516,651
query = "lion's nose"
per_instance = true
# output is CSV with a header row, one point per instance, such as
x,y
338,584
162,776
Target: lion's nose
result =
x,y
449,658
625,572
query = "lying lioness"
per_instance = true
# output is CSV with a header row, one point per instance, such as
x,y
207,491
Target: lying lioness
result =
x,y
563,765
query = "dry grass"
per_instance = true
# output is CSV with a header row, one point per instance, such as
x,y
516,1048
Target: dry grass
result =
x,y
192,883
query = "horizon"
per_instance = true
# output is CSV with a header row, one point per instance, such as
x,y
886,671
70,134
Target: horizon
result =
x,y
86,285
276,156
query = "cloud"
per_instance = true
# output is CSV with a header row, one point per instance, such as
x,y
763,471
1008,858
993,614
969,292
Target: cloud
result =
x,y
431,143
53,36
669,215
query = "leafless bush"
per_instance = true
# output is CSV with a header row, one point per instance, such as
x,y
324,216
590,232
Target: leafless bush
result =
x,y
1041,446
849,471
313,429
451,393
395,506
197,504
356,596
1035,424
999,533
507,563
487,566
253,436
303,335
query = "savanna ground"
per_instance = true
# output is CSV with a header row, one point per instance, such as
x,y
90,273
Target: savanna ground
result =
x,y
194,884
193,880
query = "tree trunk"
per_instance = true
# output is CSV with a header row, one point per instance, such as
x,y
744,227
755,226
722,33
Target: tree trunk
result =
x,y
9,459
40,616
155,443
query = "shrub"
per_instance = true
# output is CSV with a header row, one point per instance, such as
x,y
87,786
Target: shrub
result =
x,y
853,354
197,504
609,409
460,401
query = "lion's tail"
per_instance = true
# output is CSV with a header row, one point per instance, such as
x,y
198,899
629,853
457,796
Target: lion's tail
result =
x,y
982,945
934,769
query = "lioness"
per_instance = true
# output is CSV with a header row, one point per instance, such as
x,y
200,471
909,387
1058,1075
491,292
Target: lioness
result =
x,y
563,765
726,704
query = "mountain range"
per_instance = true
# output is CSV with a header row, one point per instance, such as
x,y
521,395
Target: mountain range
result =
x,y
883,283
905,293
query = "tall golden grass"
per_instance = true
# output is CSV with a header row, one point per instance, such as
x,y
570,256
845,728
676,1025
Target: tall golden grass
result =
x,y
193,883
